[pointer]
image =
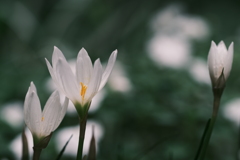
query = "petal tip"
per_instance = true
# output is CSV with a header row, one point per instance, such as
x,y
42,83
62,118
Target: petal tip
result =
x,y
221,43
115,51
82,49
98,61
213,43
46,60
55,48
57,51
230,48
82,53
32,86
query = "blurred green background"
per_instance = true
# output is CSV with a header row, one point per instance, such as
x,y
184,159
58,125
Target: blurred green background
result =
x,y
162,100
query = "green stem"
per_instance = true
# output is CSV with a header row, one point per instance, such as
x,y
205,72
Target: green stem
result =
x,y
83,122
206,140
36,153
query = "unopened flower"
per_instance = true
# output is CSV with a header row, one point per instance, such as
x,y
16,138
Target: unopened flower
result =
x,y
89,78
220,63
43,123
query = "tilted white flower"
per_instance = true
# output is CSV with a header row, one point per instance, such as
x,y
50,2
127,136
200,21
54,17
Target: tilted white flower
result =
x,y
220,61
41,124
89,78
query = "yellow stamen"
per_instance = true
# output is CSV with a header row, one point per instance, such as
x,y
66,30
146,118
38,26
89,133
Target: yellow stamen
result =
x,y
83,90
42,119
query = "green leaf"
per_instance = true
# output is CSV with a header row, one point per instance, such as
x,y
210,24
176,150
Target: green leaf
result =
x,y
63,149
202,139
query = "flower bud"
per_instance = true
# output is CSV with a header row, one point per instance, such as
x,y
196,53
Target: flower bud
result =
x,y
220,64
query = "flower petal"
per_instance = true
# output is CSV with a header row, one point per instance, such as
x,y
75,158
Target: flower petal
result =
x,y
62,113
84,67
67,80
53,75
32,110
222,53
222,49
50,114
57,53
228,61
212,61
108,69
94,84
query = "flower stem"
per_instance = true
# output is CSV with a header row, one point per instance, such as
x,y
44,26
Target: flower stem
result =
x,y
36,153
206,140
83,122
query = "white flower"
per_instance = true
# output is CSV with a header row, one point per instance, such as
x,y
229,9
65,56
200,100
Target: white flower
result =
x,y
220,61
41,124
89,78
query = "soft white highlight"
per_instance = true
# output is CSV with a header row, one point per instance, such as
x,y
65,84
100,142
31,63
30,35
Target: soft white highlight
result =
x,y
12,113
199,71
173,32
169,51
118,80
172,21
232,111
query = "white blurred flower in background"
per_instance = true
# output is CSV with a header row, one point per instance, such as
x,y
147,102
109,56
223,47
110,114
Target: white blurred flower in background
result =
x,y
232,111
169,51
199,71
172,21
12,113
118,80
171,45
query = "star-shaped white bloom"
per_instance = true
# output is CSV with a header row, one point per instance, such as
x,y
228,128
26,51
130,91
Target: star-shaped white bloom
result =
x,y
42,124
89,78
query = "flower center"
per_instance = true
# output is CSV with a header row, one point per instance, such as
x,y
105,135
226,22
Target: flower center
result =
x,y
42,119
83,90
